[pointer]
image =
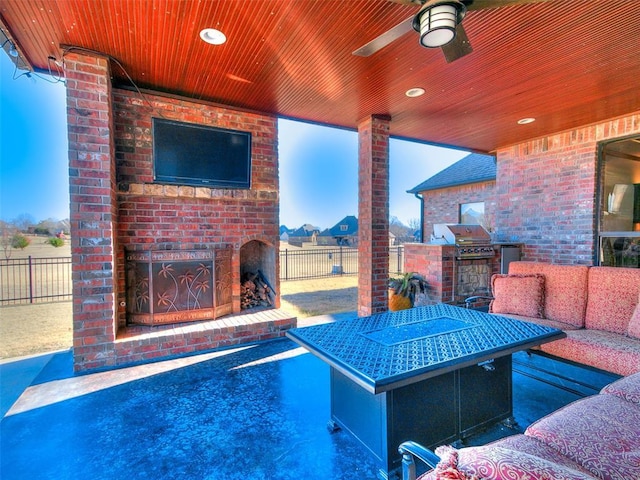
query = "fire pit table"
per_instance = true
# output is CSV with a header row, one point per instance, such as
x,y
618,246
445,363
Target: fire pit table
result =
x,y
432,374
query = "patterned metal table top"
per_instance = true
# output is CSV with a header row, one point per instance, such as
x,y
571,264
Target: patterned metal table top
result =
x,y
391,349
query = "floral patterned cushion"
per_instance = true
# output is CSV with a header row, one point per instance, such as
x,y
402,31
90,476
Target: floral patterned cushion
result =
x,y
627,388
565,289
496,463
604,350
612,298
601,433
533,446
633,330
518,294
542,321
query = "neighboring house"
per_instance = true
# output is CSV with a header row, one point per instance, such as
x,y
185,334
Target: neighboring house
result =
x,y
305,234
345,233
393,239
284,233
462,193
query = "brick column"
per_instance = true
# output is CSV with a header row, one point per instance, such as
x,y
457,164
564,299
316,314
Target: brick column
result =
x,y
373,215
92,208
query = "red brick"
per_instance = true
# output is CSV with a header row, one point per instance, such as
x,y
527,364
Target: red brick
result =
x,y
112,129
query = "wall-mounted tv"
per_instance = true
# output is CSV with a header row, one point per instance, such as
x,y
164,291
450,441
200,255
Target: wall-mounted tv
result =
x,y
200,156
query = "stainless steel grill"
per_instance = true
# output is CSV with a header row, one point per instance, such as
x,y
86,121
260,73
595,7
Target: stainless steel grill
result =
x,y
471,241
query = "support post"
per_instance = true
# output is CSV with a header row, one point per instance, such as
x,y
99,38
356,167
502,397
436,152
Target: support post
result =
x,y
373,213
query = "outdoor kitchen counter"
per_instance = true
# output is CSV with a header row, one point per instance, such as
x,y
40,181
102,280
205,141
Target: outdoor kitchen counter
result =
x,y
431,374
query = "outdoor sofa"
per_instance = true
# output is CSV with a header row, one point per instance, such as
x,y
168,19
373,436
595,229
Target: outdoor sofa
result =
x,y
597,437
597,307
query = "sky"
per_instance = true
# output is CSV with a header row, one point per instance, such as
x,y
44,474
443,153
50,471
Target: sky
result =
x,y
318,164
319,174
34,173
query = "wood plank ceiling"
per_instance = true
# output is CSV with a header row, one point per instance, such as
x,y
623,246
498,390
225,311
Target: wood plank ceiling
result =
x,y
566,63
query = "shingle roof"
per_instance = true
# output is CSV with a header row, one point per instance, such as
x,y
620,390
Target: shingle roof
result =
x,y
351,223
473,168
304,231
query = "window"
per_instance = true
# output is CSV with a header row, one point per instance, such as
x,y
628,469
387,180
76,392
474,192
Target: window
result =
x,y
619,226
344,228
472,213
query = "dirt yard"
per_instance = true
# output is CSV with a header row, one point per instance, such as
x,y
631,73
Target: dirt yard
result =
x,y
45,327
35,328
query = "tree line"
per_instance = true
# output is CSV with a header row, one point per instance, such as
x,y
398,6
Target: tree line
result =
x,y
13,233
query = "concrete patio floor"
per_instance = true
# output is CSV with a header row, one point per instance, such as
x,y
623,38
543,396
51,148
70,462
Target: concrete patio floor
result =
x,y
256,411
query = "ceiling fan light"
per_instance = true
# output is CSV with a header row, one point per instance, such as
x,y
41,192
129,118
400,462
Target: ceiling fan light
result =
x,y
436,22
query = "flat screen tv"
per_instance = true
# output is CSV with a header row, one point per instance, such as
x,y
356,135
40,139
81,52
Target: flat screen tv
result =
x,y
200,156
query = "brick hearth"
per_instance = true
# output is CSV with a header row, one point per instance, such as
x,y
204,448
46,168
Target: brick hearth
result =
x,y
136,344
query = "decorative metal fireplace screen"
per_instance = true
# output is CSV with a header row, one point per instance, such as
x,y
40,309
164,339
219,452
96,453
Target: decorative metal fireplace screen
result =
x,y
173,286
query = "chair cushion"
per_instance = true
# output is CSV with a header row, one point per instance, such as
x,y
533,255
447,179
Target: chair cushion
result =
x,y
601,433
533,446
612,298
545,322
627,388
518,295
634,324
604,350
565,289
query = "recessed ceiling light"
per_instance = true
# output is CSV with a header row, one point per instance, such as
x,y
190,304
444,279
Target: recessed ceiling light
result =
x,y
414,92
213,36
524,121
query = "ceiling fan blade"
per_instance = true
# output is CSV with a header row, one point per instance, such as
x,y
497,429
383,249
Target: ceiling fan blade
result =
x,y
458,47
482,4
385,39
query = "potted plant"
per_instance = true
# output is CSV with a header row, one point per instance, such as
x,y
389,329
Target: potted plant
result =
x,y
403,290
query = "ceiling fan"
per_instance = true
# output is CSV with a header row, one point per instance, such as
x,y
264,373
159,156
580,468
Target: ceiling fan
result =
x,y
439,23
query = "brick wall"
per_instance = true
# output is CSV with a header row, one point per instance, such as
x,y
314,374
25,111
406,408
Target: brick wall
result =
x,y
544,196
115,206
546,192
442,205
436,263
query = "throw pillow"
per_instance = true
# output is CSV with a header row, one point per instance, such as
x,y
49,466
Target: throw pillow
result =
x,y
518,295
633,330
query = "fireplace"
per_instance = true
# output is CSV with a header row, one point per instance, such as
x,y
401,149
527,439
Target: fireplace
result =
x,y
175,286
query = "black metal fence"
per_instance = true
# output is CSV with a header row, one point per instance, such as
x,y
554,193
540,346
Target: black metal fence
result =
x,y
31,280
34,280
328,262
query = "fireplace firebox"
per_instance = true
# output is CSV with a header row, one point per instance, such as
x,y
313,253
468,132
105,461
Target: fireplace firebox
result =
x,y
257,274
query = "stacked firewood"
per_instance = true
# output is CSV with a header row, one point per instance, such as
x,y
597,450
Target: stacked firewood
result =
x,y
255,291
